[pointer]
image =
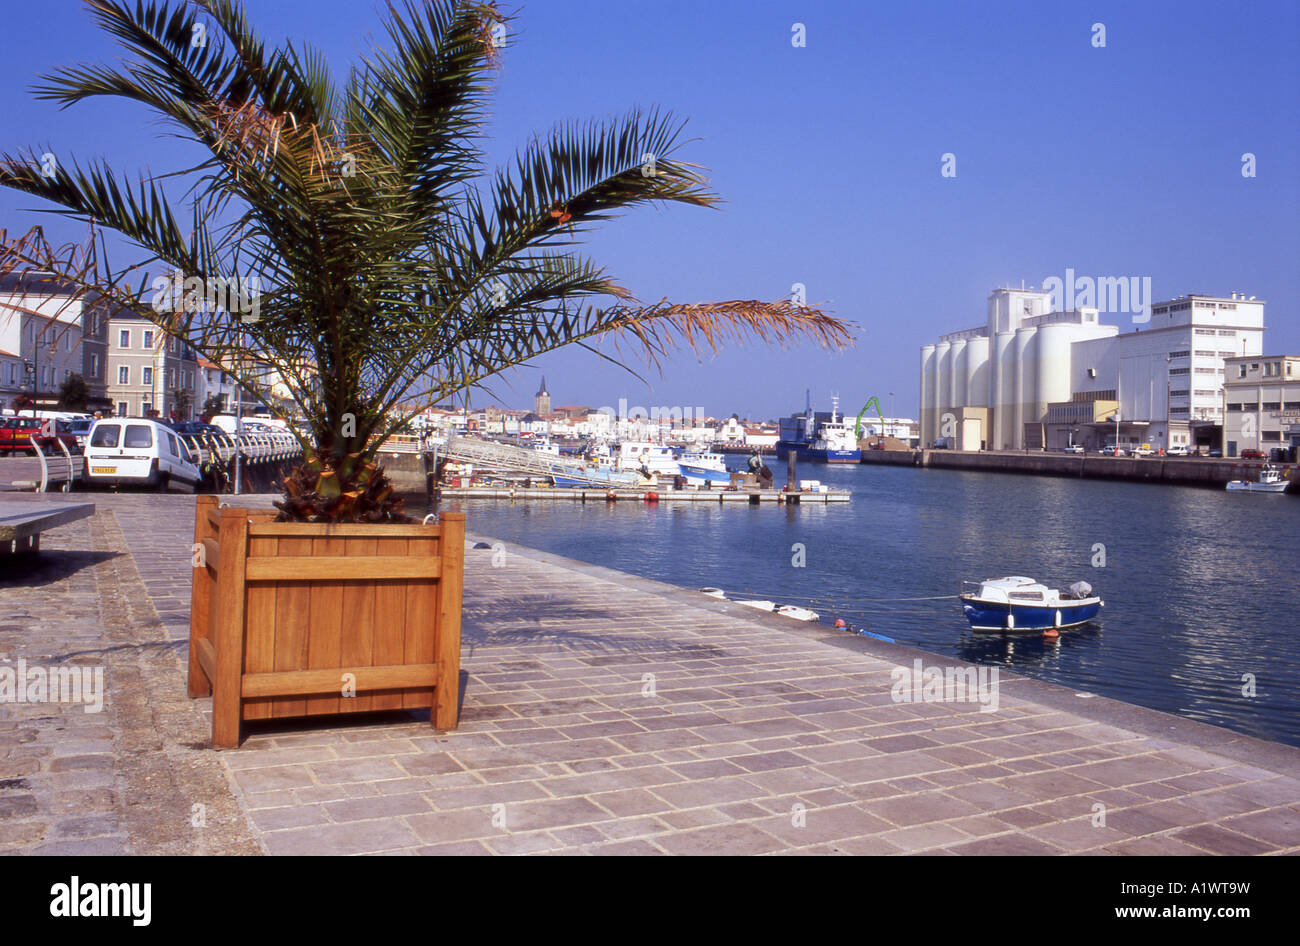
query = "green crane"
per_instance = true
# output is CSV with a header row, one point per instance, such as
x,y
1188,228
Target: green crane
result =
x,y
857,431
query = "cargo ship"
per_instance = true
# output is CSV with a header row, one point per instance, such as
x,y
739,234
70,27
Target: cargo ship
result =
x,y
818,437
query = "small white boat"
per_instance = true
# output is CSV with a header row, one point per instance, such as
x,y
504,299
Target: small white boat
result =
x,y
1270,480
785,610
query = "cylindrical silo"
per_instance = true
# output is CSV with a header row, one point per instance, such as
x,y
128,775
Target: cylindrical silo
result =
x,y
977,373
943,383
927,417
1002,388
1025,381
957,375
1053,368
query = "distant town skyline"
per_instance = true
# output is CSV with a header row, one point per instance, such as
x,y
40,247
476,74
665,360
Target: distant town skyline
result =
x,y
895,167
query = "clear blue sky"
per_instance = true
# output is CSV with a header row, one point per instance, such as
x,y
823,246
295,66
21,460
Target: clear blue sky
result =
x,y
1117,161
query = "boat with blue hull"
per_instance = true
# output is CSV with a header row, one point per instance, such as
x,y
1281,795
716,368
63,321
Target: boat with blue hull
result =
x,y
1017,603
818,437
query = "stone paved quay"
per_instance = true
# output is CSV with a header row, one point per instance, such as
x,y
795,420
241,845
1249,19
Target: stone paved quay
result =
x,y
761,736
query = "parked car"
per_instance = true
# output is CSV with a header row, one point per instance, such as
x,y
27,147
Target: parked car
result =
x,y
1254,455
1143,450
1074,448
72,432
196,428
1112,451
1178,450
133,451
16,433
1215,453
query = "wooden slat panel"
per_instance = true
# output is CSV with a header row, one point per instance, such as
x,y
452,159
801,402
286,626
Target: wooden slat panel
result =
x,y
358,640
260,633
390,621
292,613
228,634
342,531
206,655
304,682
212,513
211,553
446,653
421,619
353,568
202,588
326,623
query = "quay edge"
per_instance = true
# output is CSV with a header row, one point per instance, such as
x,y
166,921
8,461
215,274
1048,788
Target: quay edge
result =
x,y
1175,470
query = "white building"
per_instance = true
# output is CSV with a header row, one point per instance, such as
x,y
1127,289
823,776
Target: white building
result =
x,y
1035,378
45,325
992,380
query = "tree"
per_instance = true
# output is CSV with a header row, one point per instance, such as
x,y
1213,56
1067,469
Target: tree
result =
x,y
182,401
342,234
73,394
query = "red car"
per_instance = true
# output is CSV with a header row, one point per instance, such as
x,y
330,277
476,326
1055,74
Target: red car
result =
x,y
16,433
1254,455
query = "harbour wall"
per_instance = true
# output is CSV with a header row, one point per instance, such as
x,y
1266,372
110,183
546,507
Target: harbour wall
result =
x,y
1185,471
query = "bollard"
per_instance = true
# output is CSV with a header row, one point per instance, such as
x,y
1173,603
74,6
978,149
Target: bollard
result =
x,y
791,476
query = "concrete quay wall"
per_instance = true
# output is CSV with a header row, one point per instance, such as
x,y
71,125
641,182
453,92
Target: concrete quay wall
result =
x,y
1181,470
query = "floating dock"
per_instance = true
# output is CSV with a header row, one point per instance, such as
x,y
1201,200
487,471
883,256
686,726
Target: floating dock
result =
x,y
642,495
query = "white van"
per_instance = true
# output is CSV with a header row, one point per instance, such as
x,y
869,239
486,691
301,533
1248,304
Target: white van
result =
x,y
126,451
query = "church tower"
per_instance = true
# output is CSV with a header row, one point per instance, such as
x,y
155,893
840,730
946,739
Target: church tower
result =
x,y
542,400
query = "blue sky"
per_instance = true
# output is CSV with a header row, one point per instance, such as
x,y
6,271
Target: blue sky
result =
x,y
1115,161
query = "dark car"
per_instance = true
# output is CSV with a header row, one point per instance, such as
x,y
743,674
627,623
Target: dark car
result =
x,y
1254,455
16,433
196,428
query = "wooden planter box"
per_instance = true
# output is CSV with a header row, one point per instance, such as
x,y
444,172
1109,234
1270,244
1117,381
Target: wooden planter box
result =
x,y
299,619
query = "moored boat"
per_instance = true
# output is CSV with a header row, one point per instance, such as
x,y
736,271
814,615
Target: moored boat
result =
x,y
1017,603
1270,480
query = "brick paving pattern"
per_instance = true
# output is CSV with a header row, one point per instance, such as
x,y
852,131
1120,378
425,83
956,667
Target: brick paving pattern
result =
x,y
603,714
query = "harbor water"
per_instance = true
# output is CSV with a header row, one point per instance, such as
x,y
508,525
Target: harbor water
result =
x,y
1201,587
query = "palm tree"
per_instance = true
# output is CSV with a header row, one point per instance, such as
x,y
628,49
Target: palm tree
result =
x,y
344,234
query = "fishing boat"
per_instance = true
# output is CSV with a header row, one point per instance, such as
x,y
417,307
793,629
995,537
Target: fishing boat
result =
x,y
1270,480
700,468
1017,603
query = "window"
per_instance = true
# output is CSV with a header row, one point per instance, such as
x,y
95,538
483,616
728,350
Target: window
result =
x,y
145,408
1234,408
121,408
106,435
1179,370
138,435
171,445
146,376
94,365
148,339
1241,371
1250,407
1204,354
1180,354
124,338
123,375
1272,405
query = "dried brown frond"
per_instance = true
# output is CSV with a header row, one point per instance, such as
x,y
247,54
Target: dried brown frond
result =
x,y
703,327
